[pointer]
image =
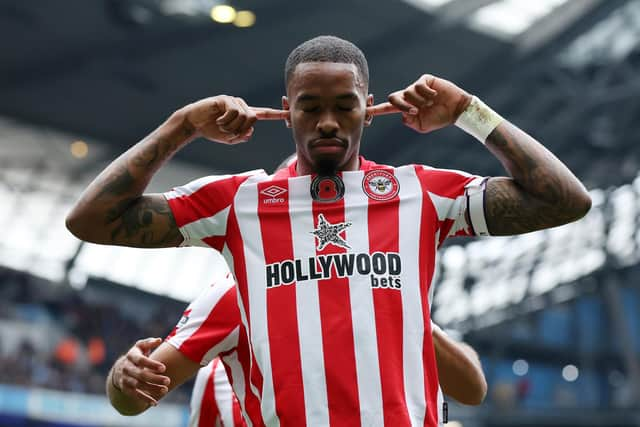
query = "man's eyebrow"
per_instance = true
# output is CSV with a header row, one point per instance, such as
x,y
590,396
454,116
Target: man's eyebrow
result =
x,y
349,96
308,97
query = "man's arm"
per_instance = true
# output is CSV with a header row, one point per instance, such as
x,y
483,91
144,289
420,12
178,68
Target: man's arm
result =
x,y
139,380
113,209
459,370
541,192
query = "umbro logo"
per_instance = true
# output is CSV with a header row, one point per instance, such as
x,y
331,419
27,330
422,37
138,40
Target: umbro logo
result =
x,y
273,193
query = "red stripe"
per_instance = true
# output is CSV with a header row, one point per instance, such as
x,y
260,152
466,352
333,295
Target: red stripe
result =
x,y
207,201
445,227
251,401
238,421
387,302
426,257
282,319
223,318
443,182
337,333
234,243
216,242
245,355
209,410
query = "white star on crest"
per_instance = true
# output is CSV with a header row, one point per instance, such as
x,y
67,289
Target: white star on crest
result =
x,y
329,233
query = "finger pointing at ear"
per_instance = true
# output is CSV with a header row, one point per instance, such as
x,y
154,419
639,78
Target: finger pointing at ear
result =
x,y
380,109
270,113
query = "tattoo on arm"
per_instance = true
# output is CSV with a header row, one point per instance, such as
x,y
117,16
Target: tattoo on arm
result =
x,y
117,183
145,222
541,193
510,210
113,209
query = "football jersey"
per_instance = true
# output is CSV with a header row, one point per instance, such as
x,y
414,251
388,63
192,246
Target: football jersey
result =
x,y
334,280
213,403
210,328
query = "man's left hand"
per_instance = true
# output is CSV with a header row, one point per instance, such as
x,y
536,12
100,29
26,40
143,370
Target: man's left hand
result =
x,y
430,103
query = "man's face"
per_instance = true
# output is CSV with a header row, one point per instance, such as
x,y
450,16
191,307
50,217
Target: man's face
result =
x,y
328,103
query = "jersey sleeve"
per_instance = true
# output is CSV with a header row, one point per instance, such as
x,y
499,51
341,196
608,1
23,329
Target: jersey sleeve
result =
x,y
210,324
201,208
458,198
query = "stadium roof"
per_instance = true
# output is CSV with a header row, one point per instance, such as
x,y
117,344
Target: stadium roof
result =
x,y
112,70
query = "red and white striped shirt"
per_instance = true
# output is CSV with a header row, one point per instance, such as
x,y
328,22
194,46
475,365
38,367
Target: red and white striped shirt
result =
x,y
213,403
334,284
210,328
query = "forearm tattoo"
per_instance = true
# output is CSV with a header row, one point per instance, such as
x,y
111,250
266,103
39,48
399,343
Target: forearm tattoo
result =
x,y
140,220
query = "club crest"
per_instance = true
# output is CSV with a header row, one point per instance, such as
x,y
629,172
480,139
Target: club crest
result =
x,y
380,185
327,189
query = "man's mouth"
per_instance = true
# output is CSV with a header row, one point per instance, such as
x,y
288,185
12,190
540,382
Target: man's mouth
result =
x,y
328,142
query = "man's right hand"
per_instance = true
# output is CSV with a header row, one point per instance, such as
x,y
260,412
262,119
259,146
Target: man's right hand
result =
x,y
138,376
227,119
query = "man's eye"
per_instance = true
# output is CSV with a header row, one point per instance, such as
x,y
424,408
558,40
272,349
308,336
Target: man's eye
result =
x,y
310,109
345,108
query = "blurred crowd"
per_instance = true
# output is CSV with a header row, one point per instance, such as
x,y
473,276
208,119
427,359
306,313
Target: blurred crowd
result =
x,y
52,337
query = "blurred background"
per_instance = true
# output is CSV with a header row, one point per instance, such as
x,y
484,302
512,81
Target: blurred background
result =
x,y
554,315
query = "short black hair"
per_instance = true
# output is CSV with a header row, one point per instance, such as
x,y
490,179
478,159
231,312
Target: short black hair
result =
x,y
327,49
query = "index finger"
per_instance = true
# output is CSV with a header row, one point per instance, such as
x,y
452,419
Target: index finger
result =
x,y
384,108
143,361
270,113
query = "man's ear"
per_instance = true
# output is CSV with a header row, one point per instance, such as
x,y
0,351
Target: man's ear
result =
x,y
368,118
285,106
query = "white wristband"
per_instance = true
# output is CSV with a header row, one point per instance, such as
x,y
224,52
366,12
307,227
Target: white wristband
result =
x,y
478,120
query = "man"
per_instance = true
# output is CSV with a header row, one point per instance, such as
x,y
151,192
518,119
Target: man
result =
x,y
334,256
209,330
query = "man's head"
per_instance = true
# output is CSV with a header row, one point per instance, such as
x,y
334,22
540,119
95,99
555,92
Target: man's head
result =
x,y
327,82
327,49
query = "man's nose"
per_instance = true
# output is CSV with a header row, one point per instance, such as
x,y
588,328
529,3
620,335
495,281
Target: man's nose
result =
x,y
327,124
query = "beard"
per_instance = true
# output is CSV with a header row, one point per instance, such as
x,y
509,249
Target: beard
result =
x,y
326,166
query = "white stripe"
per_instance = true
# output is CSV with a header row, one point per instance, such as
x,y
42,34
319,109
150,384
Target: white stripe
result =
x,y
443,206
196,395
308,306
238,381
223,395
439,412
454,209
457,213
193,186
412,317
215,225
243,314
362,311
197,184
246,205
432,286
